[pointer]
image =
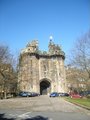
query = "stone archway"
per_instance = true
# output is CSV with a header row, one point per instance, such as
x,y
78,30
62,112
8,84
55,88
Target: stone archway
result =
x,y
45,86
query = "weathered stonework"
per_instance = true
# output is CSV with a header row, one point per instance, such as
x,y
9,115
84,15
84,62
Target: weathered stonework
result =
x,y
42,72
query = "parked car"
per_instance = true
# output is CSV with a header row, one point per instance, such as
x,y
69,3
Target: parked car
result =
x,y
84,93
63,94
35,94
76,96
28,94
54,94
9,96
60,94
66,94
25,94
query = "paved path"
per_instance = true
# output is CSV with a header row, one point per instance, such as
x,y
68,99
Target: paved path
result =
x,y
54,108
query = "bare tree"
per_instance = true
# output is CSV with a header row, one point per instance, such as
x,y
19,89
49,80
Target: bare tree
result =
x,y
75,79
80,58
7,73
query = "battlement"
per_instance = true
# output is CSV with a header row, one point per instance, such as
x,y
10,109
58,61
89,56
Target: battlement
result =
x,y
53,49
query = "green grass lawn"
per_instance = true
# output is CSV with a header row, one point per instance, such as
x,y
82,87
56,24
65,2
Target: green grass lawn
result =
x,y
81,101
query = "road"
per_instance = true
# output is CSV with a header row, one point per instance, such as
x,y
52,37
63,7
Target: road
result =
x,y
41,108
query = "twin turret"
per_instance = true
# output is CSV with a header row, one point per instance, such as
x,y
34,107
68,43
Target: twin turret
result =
x,y
53,49
31,47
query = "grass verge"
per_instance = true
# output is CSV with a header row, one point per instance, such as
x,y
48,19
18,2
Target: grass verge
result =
x,y
80,101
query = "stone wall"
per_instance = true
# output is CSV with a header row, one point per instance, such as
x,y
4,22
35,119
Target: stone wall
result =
x,y
35,67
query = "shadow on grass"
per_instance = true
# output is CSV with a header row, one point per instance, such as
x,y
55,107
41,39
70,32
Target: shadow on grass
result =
x,y
2,117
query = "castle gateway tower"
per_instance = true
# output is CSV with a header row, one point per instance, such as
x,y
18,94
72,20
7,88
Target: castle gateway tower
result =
x,y
42,72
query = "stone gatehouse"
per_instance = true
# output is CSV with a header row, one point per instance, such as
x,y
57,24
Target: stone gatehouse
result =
x,y
41,71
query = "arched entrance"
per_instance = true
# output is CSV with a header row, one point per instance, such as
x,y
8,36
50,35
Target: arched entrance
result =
x,y
45,87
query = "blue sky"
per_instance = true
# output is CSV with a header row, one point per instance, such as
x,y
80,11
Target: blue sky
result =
x,y
22,21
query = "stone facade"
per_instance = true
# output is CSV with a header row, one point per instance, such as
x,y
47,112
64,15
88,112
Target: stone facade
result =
x,y
42,72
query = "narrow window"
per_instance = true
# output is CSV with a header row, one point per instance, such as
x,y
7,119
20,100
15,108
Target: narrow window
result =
x,y
44,67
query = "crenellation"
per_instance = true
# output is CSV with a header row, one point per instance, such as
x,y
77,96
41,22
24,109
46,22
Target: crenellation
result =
x,y
42,72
